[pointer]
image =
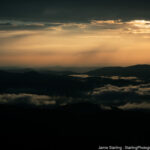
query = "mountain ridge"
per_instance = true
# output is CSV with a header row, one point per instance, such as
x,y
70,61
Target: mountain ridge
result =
x,y
135,70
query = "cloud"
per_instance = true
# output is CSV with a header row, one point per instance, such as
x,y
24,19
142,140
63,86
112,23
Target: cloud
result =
x,y
93,43
75,11
114,95
25,25
26,99
141,89
134,106
93,27
121,78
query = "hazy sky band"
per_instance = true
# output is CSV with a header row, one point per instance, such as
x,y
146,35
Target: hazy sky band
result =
x,y
74,33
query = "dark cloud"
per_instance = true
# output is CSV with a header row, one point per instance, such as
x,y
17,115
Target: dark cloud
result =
x,y
25,26
74,11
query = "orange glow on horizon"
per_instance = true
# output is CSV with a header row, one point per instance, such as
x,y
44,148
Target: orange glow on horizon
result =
x,y
98,43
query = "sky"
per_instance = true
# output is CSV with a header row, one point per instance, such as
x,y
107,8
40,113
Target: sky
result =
x,y
74,33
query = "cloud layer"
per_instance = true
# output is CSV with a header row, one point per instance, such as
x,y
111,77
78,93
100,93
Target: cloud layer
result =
x,y
141,89
74,11
136,106
26,99
122,97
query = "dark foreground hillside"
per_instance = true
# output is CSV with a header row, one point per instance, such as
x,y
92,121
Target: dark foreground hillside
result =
x,y
54,111
75,126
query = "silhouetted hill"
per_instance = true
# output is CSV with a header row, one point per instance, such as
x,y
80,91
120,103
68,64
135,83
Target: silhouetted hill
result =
x,y
43,71
54,69
145,66
64,69
16,70
41,83
61,83
142,71
61,73
82,108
